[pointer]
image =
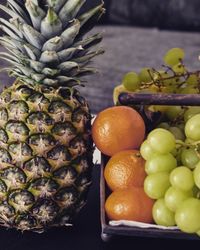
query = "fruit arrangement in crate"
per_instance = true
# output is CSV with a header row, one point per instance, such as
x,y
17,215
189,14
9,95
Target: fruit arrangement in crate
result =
x,y
150,183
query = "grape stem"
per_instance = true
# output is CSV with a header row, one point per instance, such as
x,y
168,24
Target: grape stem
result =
x,y
160,81
186,144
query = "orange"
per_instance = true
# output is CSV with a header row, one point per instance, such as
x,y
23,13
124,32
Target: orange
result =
x,y
125,169
118,128
129,204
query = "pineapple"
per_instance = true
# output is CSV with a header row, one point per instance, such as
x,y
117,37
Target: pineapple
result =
x,y
45,124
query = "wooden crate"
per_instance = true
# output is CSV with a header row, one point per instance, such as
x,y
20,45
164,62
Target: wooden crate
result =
x,y
109,231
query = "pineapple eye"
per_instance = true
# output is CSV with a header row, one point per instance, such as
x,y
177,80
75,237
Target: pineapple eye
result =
x,y
5,98
19,149
41,139
37,167
66,93
3,190
83,182
43,187
59,107
21,200
77,146
24,90
82,165
5,156
67,197
25,221
17,127
6,211
18,107
45,210
38,98
3,187
14,177
66,176
79,115
66,128
39,117
59,153
3,114
3,136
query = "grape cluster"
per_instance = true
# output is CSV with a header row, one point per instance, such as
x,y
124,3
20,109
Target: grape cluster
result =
x,y
172,154
173,77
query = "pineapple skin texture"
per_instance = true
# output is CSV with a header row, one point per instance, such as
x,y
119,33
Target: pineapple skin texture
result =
x,y
45,156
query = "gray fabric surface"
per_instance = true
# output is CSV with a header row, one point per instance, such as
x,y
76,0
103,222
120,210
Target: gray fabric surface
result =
x,y
167,14
129,49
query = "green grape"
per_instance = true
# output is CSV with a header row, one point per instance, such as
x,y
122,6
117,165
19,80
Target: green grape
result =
x,y
189,141
182,178
189,158
192,128
145,76
131,81
181,126
175,196
193,79
179,69
173,112
174,56
162,215
160,108
187,216
146,150
174,152
169,89
163,125
196,174
161,140
196,192
160,163
178,156
160,75
189,90
178,133
192,111
155,185
168,80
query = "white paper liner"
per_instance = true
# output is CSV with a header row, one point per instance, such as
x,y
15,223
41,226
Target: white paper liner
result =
x,y
138,224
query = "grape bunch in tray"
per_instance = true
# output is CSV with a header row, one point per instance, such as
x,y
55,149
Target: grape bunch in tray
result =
x,y
168,102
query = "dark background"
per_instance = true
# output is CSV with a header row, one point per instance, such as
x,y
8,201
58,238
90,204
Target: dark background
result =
x,y
164,14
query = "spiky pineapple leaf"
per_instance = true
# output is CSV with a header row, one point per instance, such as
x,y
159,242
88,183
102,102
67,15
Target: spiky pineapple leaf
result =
x,y
12,27
19,10
89,19
12,13
70,10
36,13
70,33
32,36
56,4
51,25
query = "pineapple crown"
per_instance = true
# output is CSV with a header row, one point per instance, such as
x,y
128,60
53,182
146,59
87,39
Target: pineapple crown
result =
x,y
46,43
